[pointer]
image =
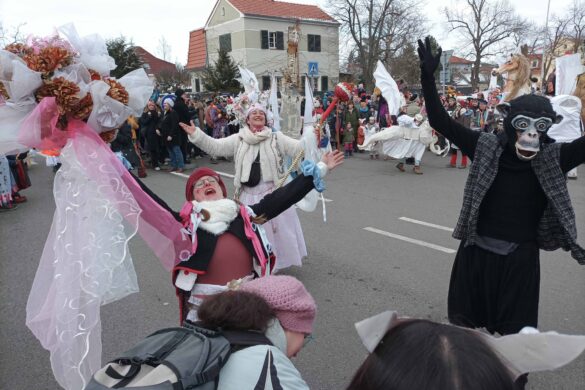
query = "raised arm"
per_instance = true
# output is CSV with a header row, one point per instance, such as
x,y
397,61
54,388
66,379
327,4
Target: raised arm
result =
x,y
283,198
439,119
222,147
572,154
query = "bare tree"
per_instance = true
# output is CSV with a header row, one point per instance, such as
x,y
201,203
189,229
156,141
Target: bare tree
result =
x,y
376,29
554,38
172,79
484,26
576,25
533,37
164,48
11,35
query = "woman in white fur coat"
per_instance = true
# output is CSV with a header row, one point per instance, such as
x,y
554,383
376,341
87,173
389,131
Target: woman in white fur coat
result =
x,y
259,156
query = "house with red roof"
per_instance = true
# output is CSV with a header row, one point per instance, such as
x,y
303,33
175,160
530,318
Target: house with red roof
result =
x,y
154,66
460,73
255,34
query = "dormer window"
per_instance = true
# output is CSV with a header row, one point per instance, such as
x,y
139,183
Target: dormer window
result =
x,y
222,11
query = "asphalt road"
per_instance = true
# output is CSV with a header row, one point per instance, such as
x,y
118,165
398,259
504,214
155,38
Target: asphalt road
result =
x,y
352,272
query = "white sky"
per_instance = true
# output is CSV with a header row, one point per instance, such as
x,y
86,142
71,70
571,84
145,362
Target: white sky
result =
x,y
146,21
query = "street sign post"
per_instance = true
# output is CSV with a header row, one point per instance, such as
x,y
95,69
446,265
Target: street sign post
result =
x,y
313,69
445,73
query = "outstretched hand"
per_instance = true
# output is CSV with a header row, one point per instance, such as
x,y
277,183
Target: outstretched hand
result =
x,y
189,129
428,62
332,159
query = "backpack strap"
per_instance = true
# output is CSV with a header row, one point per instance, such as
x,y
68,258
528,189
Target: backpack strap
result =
x,y
240,339
136,362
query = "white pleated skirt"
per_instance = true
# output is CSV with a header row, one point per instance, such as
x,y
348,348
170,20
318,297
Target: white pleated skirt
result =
x,y
284,232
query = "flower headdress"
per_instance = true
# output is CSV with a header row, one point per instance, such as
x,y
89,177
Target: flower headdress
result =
x,y
251,96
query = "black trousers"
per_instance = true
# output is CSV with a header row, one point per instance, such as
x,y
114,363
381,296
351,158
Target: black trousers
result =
x,y
498,292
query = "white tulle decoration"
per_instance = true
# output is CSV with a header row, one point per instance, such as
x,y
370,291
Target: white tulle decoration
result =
x,y
85,264
20,83
92,49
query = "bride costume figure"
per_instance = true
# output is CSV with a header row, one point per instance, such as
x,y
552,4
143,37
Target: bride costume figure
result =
x,y
259,156
57,94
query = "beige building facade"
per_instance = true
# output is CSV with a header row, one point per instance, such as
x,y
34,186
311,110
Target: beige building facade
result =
x,y
259,41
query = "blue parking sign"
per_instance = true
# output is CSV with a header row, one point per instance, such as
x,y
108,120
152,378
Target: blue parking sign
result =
x,y
313,68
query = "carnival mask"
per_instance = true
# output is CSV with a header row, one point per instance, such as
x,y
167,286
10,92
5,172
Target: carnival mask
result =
x,y
528,132
526,122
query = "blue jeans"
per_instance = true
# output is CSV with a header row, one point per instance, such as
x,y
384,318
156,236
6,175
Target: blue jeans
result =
x,y
176,156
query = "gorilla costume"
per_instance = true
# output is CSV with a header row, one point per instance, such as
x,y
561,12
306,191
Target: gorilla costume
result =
x,y
515,203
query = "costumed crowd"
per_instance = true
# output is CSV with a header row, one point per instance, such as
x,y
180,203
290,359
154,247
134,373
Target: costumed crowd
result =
x,y
241,320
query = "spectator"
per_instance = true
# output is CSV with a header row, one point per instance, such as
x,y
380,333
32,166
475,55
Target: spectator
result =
x,y
419,354
169,131
282,309
184,117
149,123
351,117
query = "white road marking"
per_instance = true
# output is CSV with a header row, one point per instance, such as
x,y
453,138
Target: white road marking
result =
x,y
426,224
411,240
226,175
180,174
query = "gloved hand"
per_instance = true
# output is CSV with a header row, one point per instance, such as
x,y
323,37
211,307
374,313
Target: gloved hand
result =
x,y
428,62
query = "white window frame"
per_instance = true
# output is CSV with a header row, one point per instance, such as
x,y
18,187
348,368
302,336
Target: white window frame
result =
x,y
272,40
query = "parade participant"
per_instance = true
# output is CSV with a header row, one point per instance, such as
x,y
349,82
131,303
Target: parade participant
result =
x,y
169,131
7,185
406,148
460,114
480,116
361,133
335,122
372,128
571,126
259,155
515,203
417,354
278,307
228,241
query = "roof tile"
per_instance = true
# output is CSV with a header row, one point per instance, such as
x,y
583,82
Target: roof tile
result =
x,y
281,9
197,56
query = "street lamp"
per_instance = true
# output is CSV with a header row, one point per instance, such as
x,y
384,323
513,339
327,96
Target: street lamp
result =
x,y
542,75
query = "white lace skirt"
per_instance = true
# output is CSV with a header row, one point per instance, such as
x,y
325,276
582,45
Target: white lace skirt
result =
x,y
284,232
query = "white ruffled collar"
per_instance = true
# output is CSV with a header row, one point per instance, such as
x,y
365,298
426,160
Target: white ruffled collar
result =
x,y
221,213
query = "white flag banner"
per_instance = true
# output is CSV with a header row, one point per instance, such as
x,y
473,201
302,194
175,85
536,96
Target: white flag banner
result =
x,y
568,67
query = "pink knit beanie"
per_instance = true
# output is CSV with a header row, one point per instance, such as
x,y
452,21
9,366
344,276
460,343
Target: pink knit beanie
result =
x,y
294,307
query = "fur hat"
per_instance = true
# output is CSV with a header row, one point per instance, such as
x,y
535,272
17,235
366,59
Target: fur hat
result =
x,y
169,100
198,174
294,307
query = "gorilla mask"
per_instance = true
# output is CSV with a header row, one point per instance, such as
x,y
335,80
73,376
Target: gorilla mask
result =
x,y
526,122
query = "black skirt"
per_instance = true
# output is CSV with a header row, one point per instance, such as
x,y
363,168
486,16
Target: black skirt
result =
x,y
496,292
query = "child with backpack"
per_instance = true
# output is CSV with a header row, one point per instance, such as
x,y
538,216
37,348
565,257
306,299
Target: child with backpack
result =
x,y
244,340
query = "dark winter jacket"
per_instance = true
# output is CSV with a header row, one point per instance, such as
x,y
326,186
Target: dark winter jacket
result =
x,y
148,125
169,126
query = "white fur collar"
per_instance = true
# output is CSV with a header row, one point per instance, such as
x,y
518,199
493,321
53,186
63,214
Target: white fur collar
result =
x,y
221,213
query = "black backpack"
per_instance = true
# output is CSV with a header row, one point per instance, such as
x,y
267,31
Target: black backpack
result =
x,y
184,358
